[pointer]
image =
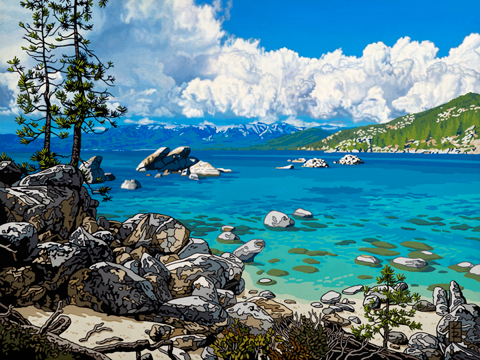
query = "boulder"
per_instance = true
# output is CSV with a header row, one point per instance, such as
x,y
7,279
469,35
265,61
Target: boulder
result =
x,y
228,228
334,318
368,259
397,337
315,163
90,225
226,298
185,172
433,354
248,251
302,213
345,307
475,270
228,236
400,286
112,289
92,171
59,175
415,353
105,236
208,353
131,185
194,246
238,288
440,300
458,352
158,176
278,219
133,265
465,264
159,234
222,170
129,225
160,332
422,340
456,296
372,300
331,297
424,306
316,304
267,294
189,342
410,262
352,290
354,319
288,167
195,314
96,249
253,316
150,265
234,259
149,163
9,172
193,177
273,308
299,160
181,152
350,160
103,223
203,168
21,239
378,291
205,288
109,177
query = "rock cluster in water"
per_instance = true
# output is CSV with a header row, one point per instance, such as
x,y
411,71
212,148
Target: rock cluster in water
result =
x,y
315,163
350,160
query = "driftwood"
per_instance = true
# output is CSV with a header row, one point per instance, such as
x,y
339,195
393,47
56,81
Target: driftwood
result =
x,y
7,247
49,321
61,325
137,347
15,316
110,339
97,328
345,346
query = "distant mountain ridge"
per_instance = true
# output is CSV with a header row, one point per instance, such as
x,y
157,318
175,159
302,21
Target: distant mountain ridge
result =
x,y
151,137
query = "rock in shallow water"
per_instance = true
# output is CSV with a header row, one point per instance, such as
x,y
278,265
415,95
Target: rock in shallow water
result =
x,y
352,290
368,259
278,219
228,236
248,251
131,185
410,262
302,213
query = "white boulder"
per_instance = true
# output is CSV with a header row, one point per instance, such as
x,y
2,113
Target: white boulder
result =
x,y
410,262
228,236
131,184
331,297
315,163
475,270
368,259
302,213
203,168
288,167
278,219
350,160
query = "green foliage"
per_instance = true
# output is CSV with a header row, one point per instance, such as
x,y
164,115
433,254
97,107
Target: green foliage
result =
x,y
19,343
236,343
291,350
386,318
45,159
310,334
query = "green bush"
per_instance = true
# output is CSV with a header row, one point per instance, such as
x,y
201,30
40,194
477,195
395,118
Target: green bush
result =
x,y
25,344
310,334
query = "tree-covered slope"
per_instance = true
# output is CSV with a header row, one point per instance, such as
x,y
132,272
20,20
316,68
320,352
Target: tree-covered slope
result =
x,y
450,127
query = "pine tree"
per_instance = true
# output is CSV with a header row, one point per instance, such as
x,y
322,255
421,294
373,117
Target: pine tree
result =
x,y
38,85
84,108
386,318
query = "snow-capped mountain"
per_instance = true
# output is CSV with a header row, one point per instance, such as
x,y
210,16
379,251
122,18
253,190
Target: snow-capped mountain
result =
x,y
136,137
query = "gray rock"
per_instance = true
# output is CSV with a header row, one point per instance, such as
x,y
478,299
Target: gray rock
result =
x,y
147,356
59,175
177,353
415,353
372,300
158,176
316,304
109,177
469,317
331,297
465,264
440,300
253,316
369,259
345,301
189,342
379,291
397,337
424,306
133,265
131,185
354,319
265,281
433,354
267,294
456,296
129,225
21,237
315,163
113,289
336,308
160,332
248,251
302,213
98,250
328,311
226,298
422,340
228,236
400,286
9,172
459,352
278,219
204,169
149,163
410,262
345,307
288,167
350,160
475,270
103,222
239,287
185,172
352,290
148,264
194,246
105,236
234,259
208,353
193,177
92,171
205,288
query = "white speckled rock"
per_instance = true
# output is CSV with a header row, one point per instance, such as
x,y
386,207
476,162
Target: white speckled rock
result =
x,y
331,297
278,219
228,236
410,262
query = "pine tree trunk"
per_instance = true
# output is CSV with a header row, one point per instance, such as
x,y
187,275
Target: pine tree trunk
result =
x,y
46,94
385,332
77,132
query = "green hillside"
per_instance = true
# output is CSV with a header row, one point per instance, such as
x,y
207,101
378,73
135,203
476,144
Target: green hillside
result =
x,y
293,141
447,128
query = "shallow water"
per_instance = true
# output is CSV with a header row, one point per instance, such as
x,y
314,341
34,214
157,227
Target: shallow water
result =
x,y
393,205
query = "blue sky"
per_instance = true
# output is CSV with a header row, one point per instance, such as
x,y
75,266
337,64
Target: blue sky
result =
x,y
307,62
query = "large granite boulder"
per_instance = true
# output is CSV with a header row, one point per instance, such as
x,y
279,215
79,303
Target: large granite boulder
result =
x,y
18,240
149,163
278,219
350,160
92,171
164,159
18,286
273,308
248,251
205,288
159,234
97,250
9,172
315,163
52,200
440,300
331,297
112,289
203,169
194,314
253,316
194,246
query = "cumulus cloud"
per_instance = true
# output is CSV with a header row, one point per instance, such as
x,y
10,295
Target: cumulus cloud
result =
x,y
173,58
144,121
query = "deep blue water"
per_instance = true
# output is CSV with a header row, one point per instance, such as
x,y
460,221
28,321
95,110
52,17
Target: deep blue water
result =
x,y
352,206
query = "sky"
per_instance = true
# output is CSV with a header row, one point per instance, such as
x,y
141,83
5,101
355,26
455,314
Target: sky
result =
x,y
307,62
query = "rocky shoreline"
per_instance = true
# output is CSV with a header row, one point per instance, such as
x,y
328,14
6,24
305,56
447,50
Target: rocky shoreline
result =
x,y
56,252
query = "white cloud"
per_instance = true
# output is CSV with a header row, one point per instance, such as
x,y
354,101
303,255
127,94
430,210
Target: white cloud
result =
x,y
173,58
292,120
144,121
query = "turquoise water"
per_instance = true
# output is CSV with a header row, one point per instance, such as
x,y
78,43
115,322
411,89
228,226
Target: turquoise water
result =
x,y
432,201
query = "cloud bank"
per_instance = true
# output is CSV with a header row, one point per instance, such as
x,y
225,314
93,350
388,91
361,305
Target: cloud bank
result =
x,y
173,58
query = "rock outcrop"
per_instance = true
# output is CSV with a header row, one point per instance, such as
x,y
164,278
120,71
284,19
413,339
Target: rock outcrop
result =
x,y
9,172
350,160
248,251
204,169
92,171
131,185
315,163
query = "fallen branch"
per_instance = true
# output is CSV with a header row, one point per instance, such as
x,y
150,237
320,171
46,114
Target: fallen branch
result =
x,y
110,339
138,345
15,316
7,247
8,313
57,312
61,325
96,329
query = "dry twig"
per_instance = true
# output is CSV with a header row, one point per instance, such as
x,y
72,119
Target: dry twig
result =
x,y
110,339
61,325
57,312
96,329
